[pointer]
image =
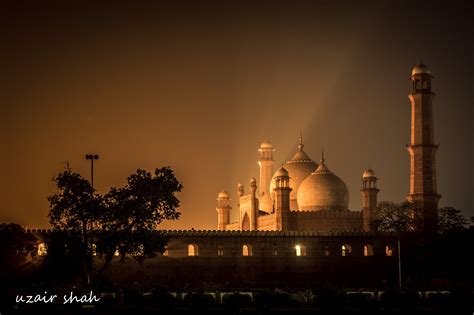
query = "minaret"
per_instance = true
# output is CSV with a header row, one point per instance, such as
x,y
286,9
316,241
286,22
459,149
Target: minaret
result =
x,y
369,193
422,148
248,204
266,172
282,199
223,210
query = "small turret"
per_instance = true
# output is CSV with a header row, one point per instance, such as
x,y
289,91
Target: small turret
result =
x,y
240,189
223,210
369,193
282,199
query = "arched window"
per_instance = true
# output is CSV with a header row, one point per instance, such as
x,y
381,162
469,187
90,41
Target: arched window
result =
x,y
192,250
42,249
247,250
346,250
368,250
275,250
165,252
326,250
220,250
300,250
389,250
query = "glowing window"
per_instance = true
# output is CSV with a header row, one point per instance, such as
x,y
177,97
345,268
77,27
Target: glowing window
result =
x,y
247,250
116,253
389,250
220,251
42,249
300,250
368,250
165,252
346,250
192,250
94,250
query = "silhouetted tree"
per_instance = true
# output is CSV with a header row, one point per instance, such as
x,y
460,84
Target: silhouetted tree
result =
x,y
71,212
450,220
406,217
397,217
125,219
132,214
15,247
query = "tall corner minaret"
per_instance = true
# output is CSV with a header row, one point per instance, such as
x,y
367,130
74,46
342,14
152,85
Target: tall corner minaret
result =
x,y
369,193
223,210
266,172
282,199
422,149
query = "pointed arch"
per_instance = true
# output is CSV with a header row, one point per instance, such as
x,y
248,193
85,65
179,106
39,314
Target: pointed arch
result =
x,y
245,223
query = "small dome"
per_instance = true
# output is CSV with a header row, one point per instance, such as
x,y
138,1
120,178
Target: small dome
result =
x,y
323,190
266,145
298,168
420,69
281,172
223,194
368,173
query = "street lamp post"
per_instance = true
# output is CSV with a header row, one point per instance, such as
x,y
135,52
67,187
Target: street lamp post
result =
x,y
399,262
92,157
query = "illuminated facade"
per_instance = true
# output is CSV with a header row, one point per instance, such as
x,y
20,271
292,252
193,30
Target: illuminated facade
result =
x,y
302,195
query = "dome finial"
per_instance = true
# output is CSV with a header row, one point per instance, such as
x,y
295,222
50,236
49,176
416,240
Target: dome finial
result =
x,y
322,155
300,141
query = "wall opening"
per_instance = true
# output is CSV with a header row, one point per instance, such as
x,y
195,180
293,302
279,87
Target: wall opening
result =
x,y
346,250
245,223
247,250
192,250
300,250
368,250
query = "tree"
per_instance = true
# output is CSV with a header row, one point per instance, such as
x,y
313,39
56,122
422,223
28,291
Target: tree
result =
x,y
397,217
71,211
16,245
132,215
451,220
124,219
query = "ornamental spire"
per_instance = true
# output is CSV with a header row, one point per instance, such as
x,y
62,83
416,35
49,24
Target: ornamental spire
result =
x,y
300,143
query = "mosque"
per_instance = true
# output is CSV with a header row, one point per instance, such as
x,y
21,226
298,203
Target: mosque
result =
x,y
303,195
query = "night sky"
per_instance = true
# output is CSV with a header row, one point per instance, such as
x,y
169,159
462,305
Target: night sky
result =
x,y
197,85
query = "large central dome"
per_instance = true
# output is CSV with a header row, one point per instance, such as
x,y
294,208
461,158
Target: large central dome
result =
x,y
299,167
322,190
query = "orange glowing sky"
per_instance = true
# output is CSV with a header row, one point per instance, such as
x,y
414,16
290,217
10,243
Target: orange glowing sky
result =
x,y
197,85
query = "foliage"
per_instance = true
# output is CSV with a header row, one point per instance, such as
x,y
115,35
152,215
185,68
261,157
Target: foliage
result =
x,y
406,217
15,246
451,219
70,208
397,217
66,255
124,219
